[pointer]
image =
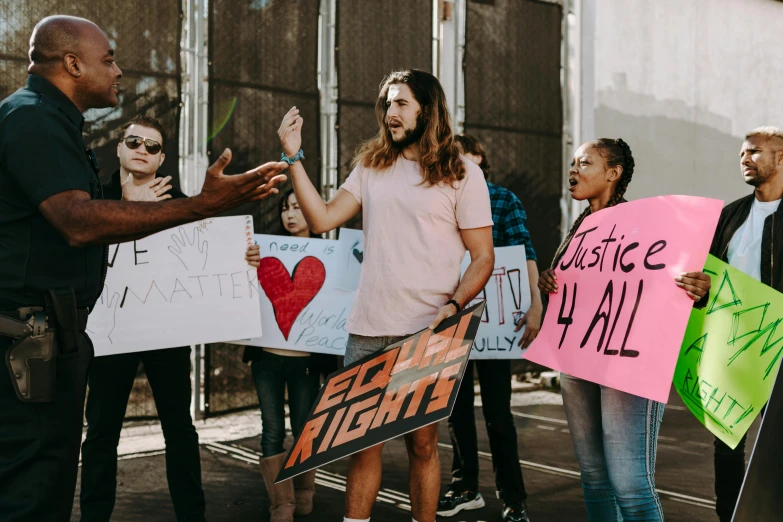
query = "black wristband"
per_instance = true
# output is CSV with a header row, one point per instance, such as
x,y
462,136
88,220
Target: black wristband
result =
x,y
456,305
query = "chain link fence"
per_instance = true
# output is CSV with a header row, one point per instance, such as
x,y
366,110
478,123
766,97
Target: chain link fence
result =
x,y
263,59
372,42
513,105
251,92
147,46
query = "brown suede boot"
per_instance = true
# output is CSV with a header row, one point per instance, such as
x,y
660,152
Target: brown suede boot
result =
x,y
281,496
304,489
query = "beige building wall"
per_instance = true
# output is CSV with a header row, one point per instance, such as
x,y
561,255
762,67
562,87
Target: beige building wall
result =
x,y
682,81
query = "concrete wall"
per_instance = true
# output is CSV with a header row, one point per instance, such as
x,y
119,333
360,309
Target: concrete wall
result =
x,y
682,81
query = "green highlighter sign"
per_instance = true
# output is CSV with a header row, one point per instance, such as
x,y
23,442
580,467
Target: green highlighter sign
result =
x,y
731,352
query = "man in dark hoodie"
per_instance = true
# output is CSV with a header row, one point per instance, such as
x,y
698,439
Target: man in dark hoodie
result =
x,y
749,237
111,377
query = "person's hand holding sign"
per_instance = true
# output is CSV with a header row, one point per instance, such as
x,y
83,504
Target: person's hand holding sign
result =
x,y
444,312
547,281
695,284
253,255
532,323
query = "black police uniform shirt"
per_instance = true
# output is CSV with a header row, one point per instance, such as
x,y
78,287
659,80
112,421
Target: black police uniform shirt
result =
x,y
113,189
42,154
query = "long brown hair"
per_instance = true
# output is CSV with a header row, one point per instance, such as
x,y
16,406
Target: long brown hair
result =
x,y
438,154
615,153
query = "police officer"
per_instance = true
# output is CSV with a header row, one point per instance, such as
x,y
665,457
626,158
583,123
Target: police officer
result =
x,y
52,228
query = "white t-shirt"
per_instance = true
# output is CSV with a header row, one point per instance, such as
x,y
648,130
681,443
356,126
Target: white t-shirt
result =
x,y
745,246
412,244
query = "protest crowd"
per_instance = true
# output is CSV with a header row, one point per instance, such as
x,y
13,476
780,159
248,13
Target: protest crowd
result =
x,y
407,323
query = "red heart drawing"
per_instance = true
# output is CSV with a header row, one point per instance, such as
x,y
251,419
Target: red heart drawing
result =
x,y
289,294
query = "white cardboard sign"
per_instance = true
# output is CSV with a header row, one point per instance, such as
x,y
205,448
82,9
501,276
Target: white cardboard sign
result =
x,y
301,307
351,258
186,285
508,298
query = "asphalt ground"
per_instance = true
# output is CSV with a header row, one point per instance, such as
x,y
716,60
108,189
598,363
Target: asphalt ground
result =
x,y
235,491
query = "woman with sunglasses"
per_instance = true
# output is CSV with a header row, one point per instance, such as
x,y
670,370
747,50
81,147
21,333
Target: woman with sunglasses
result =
x,y
274,369
615,434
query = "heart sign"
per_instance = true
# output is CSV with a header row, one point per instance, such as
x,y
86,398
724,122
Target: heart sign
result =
x,y
289,294
358,254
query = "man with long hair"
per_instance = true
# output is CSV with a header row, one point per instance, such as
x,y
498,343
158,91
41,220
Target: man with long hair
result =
x,y
423,206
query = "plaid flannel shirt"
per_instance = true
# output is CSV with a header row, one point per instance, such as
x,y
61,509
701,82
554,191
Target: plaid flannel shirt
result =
x,y
509,218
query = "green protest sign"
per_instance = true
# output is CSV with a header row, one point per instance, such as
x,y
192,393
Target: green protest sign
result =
x,y
731,352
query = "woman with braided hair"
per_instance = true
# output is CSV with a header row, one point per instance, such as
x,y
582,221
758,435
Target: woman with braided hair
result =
x,y
615,433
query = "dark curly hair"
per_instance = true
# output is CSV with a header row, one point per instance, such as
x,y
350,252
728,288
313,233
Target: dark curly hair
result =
x,y
616,153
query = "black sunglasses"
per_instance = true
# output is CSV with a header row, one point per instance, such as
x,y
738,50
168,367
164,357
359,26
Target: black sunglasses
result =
x,y
134,142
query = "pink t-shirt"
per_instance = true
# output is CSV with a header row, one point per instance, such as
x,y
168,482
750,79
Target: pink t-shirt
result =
x,y
412,244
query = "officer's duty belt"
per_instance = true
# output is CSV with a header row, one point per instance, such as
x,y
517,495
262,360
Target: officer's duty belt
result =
x,y
13,323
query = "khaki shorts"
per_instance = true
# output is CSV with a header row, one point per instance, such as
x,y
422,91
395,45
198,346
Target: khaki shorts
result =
x,y
359,346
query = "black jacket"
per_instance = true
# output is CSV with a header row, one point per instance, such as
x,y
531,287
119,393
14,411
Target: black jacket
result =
x,y
731,219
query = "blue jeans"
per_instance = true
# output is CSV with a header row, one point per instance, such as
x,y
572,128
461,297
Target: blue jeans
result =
x,y
615,438
271,373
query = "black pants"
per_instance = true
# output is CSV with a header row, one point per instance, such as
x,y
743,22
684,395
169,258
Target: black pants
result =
x,y
39,443
324,364
495,381
111,381
729,474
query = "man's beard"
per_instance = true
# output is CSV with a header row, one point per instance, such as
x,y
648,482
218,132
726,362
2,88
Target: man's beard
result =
x,y
763,174
411,136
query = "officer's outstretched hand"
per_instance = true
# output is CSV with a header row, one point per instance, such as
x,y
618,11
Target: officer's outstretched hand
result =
x,y
223,192
154,190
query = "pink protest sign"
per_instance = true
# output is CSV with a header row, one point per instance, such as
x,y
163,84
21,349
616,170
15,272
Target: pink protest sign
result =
x,y
618,317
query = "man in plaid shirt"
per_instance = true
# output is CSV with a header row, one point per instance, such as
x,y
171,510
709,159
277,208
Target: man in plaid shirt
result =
x,y
510,218
494,377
